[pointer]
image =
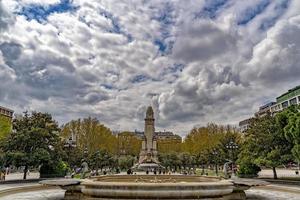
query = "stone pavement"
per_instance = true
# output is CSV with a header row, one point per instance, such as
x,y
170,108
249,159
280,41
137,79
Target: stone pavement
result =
x,y
274,192
265,173
53,194
252,194
268,173
19,176
9,186
269,192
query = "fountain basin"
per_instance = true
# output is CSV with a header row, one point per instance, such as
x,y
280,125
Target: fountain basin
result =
x,y
129,187
155,190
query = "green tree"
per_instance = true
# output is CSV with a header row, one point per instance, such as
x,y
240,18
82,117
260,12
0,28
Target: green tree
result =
x,y
5,126
34,141
170,160
100,159
185,160
289,120
126,162
128,144
90,134
168,145
228,134
203,142
265,144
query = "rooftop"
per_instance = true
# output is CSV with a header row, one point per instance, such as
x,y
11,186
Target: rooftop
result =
x,y
287,93
1,107
267,105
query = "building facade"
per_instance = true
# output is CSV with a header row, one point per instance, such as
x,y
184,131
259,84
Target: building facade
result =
x,y
291,97
264,110
245,124
6,112
6,116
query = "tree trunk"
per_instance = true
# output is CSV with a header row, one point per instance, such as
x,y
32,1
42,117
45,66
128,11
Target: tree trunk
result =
x,y
216,169
25,172
97,169
274,172
202,173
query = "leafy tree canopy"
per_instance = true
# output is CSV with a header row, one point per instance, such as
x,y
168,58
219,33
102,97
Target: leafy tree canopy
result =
x,y
34,141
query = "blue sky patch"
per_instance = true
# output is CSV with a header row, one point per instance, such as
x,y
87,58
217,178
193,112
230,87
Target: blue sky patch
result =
x,y
114,21
139,79
116,27
40,13
173,69
251,13
166,19
161,45
107,86
176,67
211,9
279,10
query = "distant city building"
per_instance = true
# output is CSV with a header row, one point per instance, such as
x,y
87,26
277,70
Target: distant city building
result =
x,y
264,110
167,135
245,124
6,116
139,134
6,112
160,135
291,97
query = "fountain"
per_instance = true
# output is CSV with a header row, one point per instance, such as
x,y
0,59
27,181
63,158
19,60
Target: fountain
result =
x,y
126,187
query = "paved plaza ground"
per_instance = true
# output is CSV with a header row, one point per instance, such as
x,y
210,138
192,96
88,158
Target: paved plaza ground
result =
x,y
266,173
19,176
252,194
55,194
270,192
281,173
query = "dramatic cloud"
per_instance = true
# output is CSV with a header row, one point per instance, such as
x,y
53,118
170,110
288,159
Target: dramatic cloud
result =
x,y
194,61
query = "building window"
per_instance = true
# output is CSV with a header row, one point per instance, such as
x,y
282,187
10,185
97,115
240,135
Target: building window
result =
x,y
285,104
293,101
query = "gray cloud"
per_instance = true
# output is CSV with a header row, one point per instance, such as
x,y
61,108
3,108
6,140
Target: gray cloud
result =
x,y
10,51
111,59
6,19
200,40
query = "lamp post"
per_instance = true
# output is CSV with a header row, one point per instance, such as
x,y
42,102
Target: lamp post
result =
x,y
69,145
215,153
85,152
232,146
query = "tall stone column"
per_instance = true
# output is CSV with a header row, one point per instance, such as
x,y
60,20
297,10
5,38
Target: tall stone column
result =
x,y
149,129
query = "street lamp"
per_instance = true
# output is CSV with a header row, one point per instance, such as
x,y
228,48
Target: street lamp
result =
x,y
232,146
215,153
85,152
69,145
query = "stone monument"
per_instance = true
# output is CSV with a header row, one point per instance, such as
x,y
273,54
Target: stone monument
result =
x,y
148,155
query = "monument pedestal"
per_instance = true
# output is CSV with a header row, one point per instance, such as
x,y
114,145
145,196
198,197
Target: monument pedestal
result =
x,y
148,156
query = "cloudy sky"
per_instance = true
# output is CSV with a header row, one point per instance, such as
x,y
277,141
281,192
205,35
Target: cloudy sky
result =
x,y
194,61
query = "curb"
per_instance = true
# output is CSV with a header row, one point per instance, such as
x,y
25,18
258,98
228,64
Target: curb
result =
x,y
21,189
279,188
21,181
284,182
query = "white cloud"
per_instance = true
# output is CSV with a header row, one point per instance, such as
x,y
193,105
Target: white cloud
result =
x,y
111,59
